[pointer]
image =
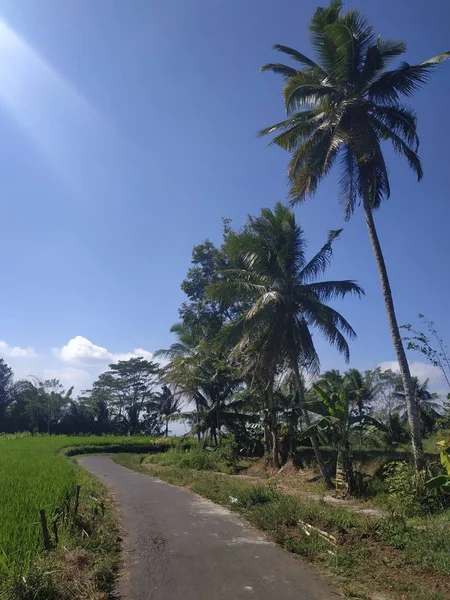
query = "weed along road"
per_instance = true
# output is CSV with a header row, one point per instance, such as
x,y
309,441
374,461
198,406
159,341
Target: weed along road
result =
x,y
179,546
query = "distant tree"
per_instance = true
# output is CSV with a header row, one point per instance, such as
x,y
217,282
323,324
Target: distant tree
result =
x,y
129,387
6,389
341,108
203,316
208,380
427,407
96,404
37,405
167,403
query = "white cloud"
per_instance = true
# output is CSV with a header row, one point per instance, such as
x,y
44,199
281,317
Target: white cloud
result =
x,y
16,351
79,350
423,371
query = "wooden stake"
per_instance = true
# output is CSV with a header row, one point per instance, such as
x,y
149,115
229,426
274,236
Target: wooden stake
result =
x,y
77,499
45,534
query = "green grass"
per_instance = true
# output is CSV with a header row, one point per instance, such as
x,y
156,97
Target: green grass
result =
x,y
429,444
34,475
195,458
394,557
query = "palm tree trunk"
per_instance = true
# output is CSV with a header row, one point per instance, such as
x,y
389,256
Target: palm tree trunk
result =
x,y
167,428
413,417
218,419
313,437
273,427
344,471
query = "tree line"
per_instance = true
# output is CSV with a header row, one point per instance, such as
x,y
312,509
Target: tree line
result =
x,y
245,357
127,399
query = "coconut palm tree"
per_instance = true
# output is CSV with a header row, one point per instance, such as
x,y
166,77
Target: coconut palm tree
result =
x,y
205,377
167,403
288,300
341,108
429,410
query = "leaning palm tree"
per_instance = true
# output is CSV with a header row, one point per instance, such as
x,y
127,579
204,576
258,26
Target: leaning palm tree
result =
x,y
287,301
340,109
429,410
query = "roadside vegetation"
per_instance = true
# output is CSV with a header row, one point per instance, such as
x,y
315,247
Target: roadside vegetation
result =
x,y
243,374
361,555
36,475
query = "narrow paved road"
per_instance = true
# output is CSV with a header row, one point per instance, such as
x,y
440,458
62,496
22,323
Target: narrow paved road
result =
x,y
179,546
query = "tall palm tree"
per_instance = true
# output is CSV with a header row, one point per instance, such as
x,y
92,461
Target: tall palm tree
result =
x,y
340,109
167,403
287,301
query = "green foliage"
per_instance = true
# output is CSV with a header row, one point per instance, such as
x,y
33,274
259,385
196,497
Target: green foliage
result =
x,y
364,545
409,491
342,107
399,478
129,386
35,475
441,483
195,458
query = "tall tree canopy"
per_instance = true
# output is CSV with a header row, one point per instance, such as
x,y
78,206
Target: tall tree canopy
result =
x,y
129,386
288,299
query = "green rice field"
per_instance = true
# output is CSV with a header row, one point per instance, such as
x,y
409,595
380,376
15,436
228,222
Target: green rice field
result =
x,y
35,473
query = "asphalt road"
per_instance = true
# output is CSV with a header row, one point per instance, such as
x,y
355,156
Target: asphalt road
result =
x,y
179,546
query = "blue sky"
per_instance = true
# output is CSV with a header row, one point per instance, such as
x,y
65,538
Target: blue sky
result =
x,y
128,131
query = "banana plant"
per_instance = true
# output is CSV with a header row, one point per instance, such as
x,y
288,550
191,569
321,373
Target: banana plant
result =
x,y
442,482
332,406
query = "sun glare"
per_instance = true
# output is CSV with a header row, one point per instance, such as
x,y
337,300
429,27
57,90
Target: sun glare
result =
x,y
42,103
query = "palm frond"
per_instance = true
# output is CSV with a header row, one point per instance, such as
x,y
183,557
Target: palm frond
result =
x,y
401,119
406,80
320,262
230,290
390,49
330,323
303,345
279,69
297,56
304,89
400,147
322,44
310,163
329,290
298,132
288,123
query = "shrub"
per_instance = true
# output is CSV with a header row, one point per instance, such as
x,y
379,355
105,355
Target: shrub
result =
x,y
196,458
408,493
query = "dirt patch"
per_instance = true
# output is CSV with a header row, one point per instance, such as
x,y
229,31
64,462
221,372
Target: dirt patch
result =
x,y
302,483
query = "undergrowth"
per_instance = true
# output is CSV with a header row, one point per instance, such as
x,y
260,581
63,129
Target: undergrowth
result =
x,y
393,556
196,458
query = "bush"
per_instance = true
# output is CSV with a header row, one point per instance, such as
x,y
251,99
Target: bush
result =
x,y
196,458
258,494
408,495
